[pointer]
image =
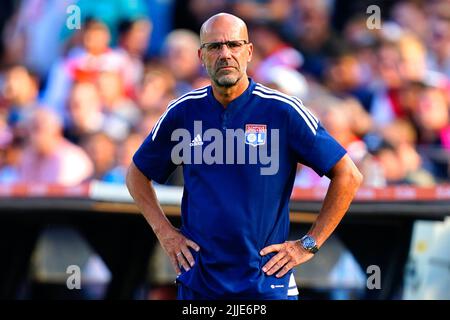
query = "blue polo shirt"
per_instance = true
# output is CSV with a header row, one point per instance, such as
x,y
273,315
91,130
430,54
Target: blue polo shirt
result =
x,y
229,208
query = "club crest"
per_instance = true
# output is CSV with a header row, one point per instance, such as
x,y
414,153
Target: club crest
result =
x,y
255,134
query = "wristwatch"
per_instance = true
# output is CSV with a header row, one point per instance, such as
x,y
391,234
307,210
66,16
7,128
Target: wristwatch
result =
x,y
309,244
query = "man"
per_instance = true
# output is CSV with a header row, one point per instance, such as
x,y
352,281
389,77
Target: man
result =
x,y
49,157
235,215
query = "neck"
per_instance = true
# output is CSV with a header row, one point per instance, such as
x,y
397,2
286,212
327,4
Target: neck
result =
x,y
227,94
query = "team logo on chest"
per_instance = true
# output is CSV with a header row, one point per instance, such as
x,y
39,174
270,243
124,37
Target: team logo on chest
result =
x,y
255,134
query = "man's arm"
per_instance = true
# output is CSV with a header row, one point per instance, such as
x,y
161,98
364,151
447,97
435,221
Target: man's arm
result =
x,y
174,243
345,181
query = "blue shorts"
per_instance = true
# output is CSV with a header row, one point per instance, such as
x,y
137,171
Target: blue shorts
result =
x,y
185,293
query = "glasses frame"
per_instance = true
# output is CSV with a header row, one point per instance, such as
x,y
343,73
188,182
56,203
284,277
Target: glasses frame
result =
x,y
221,43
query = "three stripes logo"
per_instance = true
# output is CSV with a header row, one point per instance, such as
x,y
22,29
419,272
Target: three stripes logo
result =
x,y
197,141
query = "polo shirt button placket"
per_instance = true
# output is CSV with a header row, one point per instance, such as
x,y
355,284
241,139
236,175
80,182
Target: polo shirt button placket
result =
x,y
224,120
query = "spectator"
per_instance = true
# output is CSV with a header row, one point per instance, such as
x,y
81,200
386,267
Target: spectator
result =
x,y
102,150
124,157
180,52
438,38
385,107
133,40
344,78
114,101
431,116
86,64
411,17
20,93
402,165
273,51
49,157
6,135
313,34
413,58
340,121
10,152
157,89
9,162
85,115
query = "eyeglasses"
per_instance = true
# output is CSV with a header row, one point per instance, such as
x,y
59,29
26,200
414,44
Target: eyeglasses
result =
x,y
233,46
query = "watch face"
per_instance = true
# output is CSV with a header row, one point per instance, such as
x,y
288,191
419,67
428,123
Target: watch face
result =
x,y
308,242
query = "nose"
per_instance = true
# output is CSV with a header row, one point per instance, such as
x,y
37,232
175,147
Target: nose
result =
x,y
224,53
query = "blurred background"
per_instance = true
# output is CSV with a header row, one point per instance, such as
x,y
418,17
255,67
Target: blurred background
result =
x,y
81,87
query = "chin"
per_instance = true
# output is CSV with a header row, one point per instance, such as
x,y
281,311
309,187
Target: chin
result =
x,y
227,81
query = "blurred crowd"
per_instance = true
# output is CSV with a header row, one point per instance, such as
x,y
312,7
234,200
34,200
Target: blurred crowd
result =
x,y
75,104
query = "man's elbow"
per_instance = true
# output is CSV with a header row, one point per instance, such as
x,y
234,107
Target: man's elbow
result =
x,y
129,178
135,178
356,177
348,173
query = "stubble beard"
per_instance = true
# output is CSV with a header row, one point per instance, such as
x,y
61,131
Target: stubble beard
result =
x,y
227,81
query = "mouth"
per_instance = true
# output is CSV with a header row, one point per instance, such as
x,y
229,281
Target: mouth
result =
x,y
226,68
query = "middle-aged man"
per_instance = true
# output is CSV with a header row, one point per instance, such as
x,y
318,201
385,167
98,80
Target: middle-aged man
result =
x,y
240,145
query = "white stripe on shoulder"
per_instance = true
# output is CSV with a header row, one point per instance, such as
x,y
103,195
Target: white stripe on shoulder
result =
x,y
305,108
188,96
289,102
296,100
196,91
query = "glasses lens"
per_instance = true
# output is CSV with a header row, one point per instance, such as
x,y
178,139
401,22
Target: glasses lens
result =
x,y
234,45
214,46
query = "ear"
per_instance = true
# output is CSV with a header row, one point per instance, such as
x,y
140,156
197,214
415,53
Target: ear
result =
x,y
250,52
200,56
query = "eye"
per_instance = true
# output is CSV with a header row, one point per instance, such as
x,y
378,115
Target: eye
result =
x,y
214,46
234,44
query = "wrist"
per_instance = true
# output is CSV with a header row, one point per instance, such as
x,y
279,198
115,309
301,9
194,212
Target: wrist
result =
x,y
163,229
309,244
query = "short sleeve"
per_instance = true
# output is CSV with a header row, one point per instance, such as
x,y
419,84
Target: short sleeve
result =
x,y
153,158
311,144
